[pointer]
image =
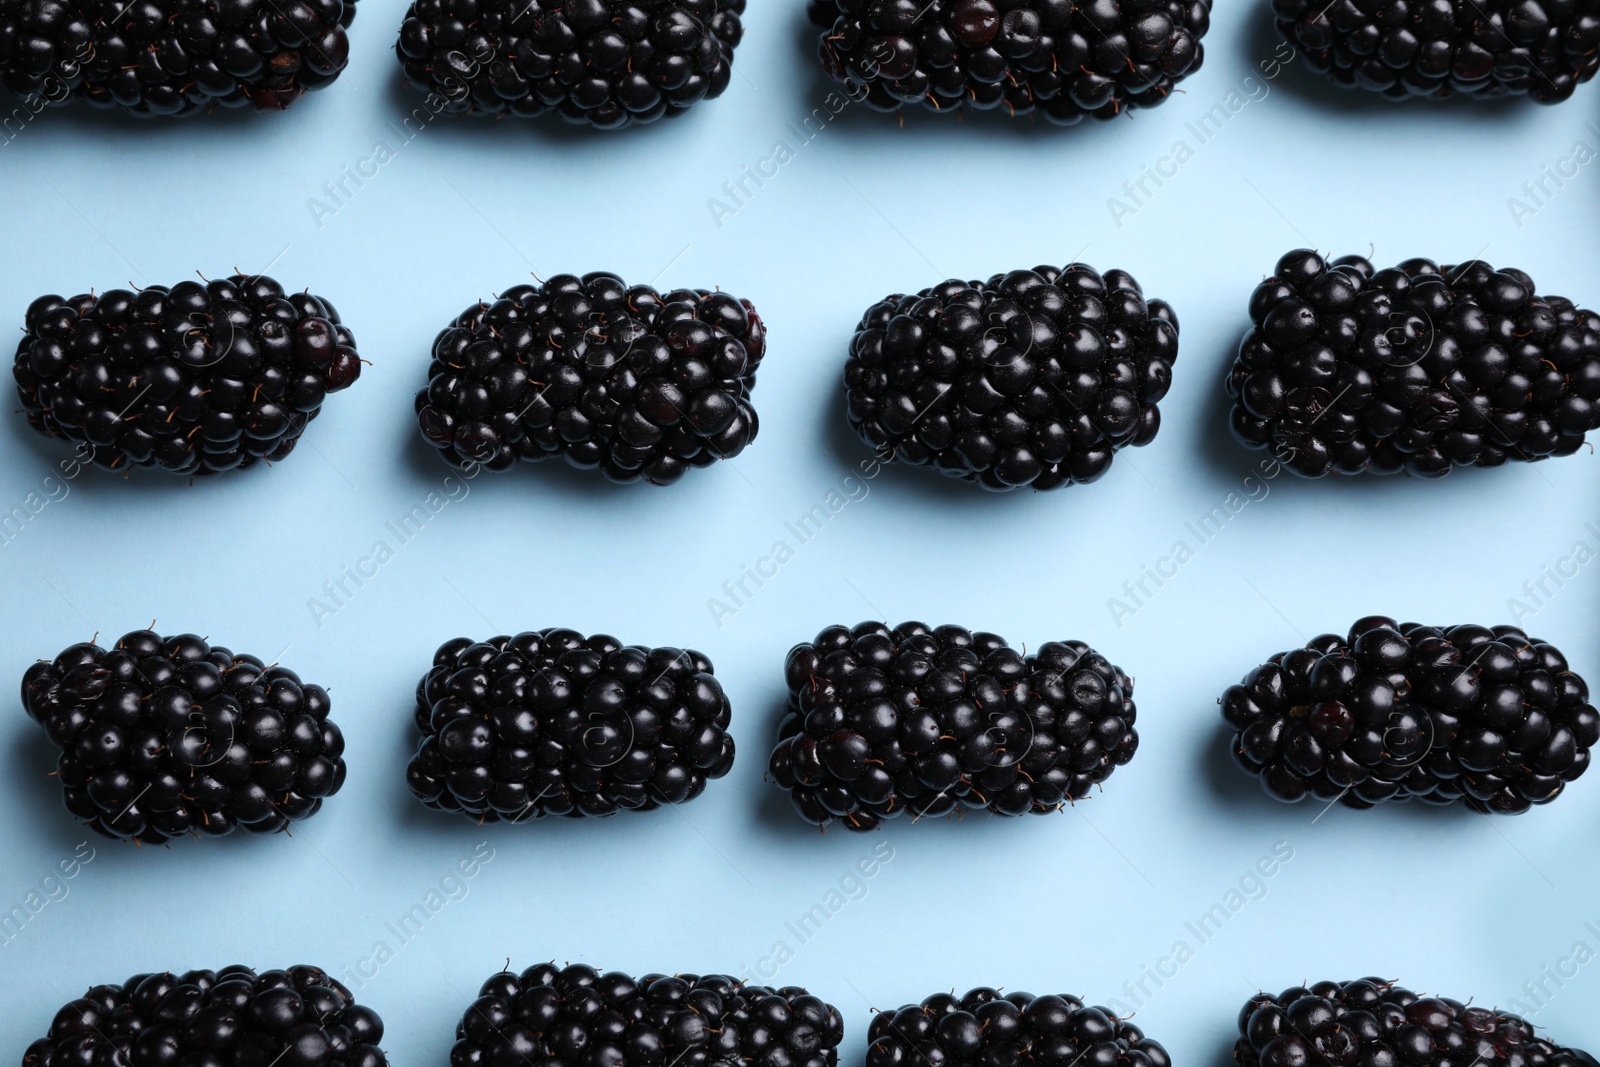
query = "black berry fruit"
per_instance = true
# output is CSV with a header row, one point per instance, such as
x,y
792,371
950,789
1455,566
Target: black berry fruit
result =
x,y
195,379
1416,368
555,723
300,1017
1033,378
1489,717
934,720
641,384
604,63
1061,59
166,736
172,57
985,1029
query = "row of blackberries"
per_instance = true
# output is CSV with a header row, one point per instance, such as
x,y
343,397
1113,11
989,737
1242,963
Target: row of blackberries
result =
x,y
162,737
1031,378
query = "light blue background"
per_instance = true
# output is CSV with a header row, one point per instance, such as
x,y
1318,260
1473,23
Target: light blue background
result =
x,y
1447,901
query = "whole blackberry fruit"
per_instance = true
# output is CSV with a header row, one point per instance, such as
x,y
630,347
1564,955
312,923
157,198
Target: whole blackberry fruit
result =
x,y
301,1017
604,63
173,57
555,723
1371,1022
1489,717
983,1028
195,379
1416,368
166,736
935,720
641,384
1064,60
1036,377
1486,48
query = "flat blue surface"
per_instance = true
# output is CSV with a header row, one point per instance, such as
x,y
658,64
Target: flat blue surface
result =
x,y
1449,902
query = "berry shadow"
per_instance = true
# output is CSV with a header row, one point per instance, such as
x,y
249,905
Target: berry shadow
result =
x,y
80,119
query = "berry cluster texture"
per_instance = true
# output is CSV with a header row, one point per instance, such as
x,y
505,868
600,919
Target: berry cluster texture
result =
x,y
930,721
198,378
173,57
640,384
166,736
1488,717
1059,59
1416,368
555,723
1033,378
300,1017
603,63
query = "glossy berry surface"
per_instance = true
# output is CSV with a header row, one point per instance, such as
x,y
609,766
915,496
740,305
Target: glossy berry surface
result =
x,y
1059,59
1033,378
555,723
1416,368
166,736
198,378
602,63
1491,718
639,384
932,720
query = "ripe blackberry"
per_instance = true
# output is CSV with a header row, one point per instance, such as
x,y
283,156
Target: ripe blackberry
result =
x,y
1490,717
166,736
985,1029
935,720
1486,48
173,57
300,1017
1036,377
1065,60
555,723
604,63
1419,368
195,379
641,384
1371,1022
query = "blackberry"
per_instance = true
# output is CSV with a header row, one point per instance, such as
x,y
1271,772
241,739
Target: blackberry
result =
x,y
983,1029
173,57
1036,377
166,736
641,384
1054,57
1489,717
555,723
936,720
1437,48
195,379
300,1017
1371,1022
603,63
1416,368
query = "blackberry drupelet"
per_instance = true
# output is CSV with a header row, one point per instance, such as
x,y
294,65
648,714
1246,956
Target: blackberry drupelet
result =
x,y
1063,60
985,1029
1416,368
1371,1022
1437,48
555,723
551,1015
300,1017
1036,377
641,384
173,57
195,379
604,63
1489,717
936,720
166,736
